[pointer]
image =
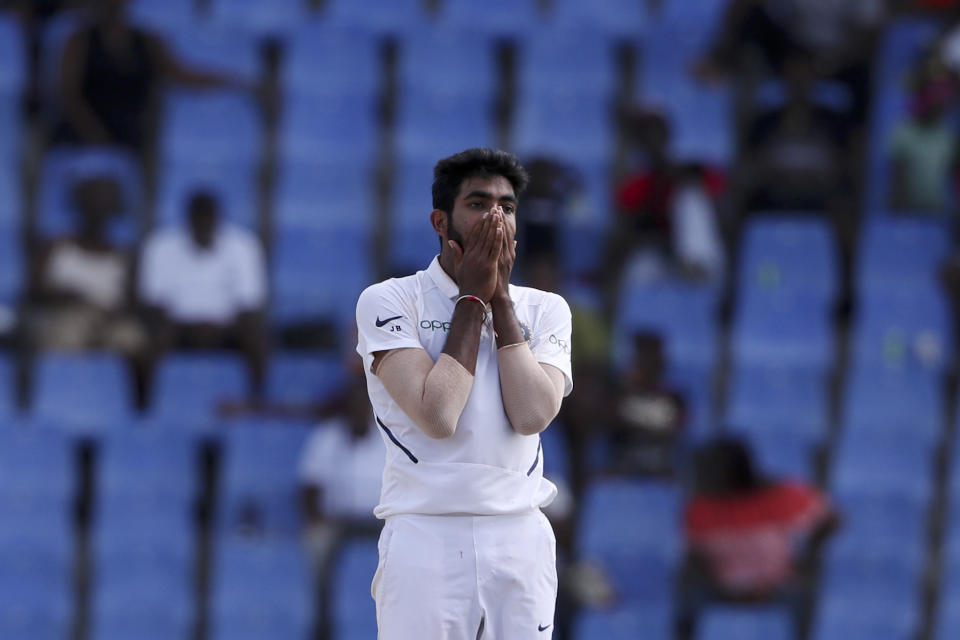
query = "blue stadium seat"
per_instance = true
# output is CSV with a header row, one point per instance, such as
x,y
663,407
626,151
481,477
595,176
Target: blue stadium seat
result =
x,y
874,463
13,56
789,253
328,195
436,124
501,18
380,17
768,397
433,60
166,15
259,477
877,613
330,129
261,589
701,116
685,314
319,275
631,620
85,391
191,385
353,611
947,618
556,453
790,328
572,56
631,529
909,328
326,61
210,127
163,612
563,122
614,19
64,167
903,402
148,463
34,611
727,622
263,18
36,464
233,183
900,253
229,51
305,378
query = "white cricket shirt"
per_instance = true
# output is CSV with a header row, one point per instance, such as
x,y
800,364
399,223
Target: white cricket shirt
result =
x,y
485,468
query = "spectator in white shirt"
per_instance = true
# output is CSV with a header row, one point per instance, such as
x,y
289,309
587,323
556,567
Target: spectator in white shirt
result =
x,y
340,478
205,285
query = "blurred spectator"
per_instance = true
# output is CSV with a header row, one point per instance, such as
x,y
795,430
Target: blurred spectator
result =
x,y
749,539
112,73
836,36
546,204
649,414
80,286
667,212
340,476
204,286
923,148
796,153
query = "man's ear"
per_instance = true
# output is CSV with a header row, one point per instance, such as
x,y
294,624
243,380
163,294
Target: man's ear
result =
x,y
438,220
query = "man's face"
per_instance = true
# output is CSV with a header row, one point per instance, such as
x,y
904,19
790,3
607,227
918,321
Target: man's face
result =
x,y
477,196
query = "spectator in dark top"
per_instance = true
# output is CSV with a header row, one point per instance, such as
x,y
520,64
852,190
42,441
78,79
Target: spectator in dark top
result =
x,y
796,153
546,207
649,415
204,286
749,539
836,36
111,74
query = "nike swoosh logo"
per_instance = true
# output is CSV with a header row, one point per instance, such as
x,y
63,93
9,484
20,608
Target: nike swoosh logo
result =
x,y
380,322
543,628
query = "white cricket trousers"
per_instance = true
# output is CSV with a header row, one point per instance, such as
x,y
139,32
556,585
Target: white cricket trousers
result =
x,y
466,578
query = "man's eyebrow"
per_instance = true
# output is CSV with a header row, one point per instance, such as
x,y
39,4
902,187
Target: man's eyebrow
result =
x,y
489,196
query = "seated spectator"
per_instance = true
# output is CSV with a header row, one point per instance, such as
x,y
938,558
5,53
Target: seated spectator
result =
x,y
749,539
204,286
111,74
80,286
340,476
796,152
667,223
546,207
923,148
649,415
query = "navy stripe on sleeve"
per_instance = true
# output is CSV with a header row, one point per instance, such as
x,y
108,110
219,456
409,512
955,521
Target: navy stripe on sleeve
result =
x,y
394,440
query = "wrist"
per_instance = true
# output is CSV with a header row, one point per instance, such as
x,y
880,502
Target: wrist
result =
x,y
501,297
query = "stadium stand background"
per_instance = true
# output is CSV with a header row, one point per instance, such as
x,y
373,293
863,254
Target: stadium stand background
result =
x,y
122,522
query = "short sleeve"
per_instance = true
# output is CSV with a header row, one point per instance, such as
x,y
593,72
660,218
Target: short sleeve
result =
x,y
251,285
314,464
550,342
386,319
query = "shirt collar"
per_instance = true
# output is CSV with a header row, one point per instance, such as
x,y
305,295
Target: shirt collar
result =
x,y
443,281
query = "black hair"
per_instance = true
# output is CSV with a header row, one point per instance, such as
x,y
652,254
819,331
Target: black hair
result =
x,y
202,201
725,466
449,173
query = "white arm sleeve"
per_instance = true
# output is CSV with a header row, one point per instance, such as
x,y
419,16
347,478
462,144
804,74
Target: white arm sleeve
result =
x,y
531,391
432,394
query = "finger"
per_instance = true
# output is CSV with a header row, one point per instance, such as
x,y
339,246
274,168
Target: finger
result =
x,y
457,252
489,234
